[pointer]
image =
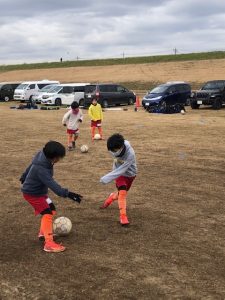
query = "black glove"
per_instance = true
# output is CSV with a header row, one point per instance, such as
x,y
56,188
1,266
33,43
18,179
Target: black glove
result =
x,y
80,120
64,124
75,197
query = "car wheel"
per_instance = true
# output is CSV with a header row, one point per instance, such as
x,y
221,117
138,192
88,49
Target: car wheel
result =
x,y
81,102
6,98
194,105
58,102
163,106
130,101
105,103
217,104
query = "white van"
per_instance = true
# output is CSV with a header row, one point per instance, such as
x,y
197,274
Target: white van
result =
x,y
65,94
27,89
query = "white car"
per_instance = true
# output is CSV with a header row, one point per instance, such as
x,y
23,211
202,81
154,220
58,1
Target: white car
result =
x,y
27,89
65,94
46,89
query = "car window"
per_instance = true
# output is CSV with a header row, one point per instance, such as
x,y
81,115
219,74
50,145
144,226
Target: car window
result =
x,y
105,88
78,89
32,86
67,90
41,85
121,89
6,87
172,90
90,88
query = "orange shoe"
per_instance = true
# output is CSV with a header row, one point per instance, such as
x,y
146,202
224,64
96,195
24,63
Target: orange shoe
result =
x,y
51,246
108,201
124,220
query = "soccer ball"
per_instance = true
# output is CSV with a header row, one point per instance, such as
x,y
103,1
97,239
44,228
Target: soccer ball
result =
x,y
97,136
182,112
62,226
84,148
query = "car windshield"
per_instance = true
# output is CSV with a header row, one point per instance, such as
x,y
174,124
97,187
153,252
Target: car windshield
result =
x,y
55,89
90,88
47,88
159,89
22,86
213,86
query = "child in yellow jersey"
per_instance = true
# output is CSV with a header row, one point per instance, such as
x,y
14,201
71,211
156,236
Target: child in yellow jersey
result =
x,y
96,115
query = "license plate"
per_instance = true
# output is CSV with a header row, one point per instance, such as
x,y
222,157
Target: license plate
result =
x,y
146,104
199,102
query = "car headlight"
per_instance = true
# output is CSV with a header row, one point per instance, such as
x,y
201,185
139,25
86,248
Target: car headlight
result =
x,y
192,94
156,98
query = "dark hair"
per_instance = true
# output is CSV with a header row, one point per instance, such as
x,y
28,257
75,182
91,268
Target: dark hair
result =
x,y
94,99
115,141
74,105
54,149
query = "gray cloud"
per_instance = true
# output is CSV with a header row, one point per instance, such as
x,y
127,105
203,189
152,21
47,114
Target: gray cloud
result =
x,y
45,30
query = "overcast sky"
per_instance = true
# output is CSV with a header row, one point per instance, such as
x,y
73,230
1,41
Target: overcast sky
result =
x,y
40,31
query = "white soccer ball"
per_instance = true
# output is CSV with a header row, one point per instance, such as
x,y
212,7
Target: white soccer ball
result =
x,y
84,148
97,136
62,226
182,112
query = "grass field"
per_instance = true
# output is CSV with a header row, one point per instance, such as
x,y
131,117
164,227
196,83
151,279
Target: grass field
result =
x,y
174,247
116,61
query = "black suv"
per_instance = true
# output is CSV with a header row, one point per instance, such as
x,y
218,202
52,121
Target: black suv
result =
x,y
212,93
167,95
7,90
108,95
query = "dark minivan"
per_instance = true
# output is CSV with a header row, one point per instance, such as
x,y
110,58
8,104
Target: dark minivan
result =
x,y
108,95
168,94
7,90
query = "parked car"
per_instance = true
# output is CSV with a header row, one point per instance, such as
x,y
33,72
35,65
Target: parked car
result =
x,y
65,94
27,89
38,96
108,95
168,94
212,93
7,90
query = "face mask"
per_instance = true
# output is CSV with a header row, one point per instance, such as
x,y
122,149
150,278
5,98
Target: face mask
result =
x,y
117,153
75,111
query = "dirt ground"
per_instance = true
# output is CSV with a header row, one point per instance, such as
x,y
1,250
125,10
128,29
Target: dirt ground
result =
x,y
175,245
191,71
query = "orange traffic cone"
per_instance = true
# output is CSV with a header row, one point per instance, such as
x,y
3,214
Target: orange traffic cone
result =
x,y
137,103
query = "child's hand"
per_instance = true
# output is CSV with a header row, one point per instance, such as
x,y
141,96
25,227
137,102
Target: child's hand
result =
x,y
80,120
64,124
75,197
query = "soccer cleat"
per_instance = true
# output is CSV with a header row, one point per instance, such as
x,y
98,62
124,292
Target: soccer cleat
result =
x,y
124,220
73,145
51,246
70,148
108,201
41,236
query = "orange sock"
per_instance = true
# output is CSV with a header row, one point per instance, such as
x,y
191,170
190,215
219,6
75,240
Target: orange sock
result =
x,y
100,131
92,132
122,202
46,227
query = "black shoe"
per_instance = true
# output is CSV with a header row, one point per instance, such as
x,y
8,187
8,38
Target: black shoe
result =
x,y
73,145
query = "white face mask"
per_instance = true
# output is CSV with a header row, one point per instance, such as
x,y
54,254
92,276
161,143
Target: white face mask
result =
x,y
117,153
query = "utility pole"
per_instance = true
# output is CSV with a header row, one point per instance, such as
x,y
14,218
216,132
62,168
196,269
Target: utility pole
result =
x,y
175,51
123,54
77,57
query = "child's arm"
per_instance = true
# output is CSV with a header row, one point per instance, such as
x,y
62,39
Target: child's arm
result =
x,y
90,113
46,178
24,175
101,114
65,118
81,116
116,172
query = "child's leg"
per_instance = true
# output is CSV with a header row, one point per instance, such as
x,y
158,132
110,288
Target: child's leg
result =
x,y
75,137
93,132
112,197
122,202
70,140
100,131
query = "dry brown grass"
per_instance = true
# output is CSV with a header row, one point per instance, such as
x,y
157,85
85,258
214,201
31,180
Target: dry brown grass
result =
x,y
174,248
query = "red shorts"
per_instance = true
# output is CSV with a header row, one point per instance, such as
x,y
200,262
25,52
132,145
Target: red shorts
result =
x,y
124,181
72,131
97,123
39,203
